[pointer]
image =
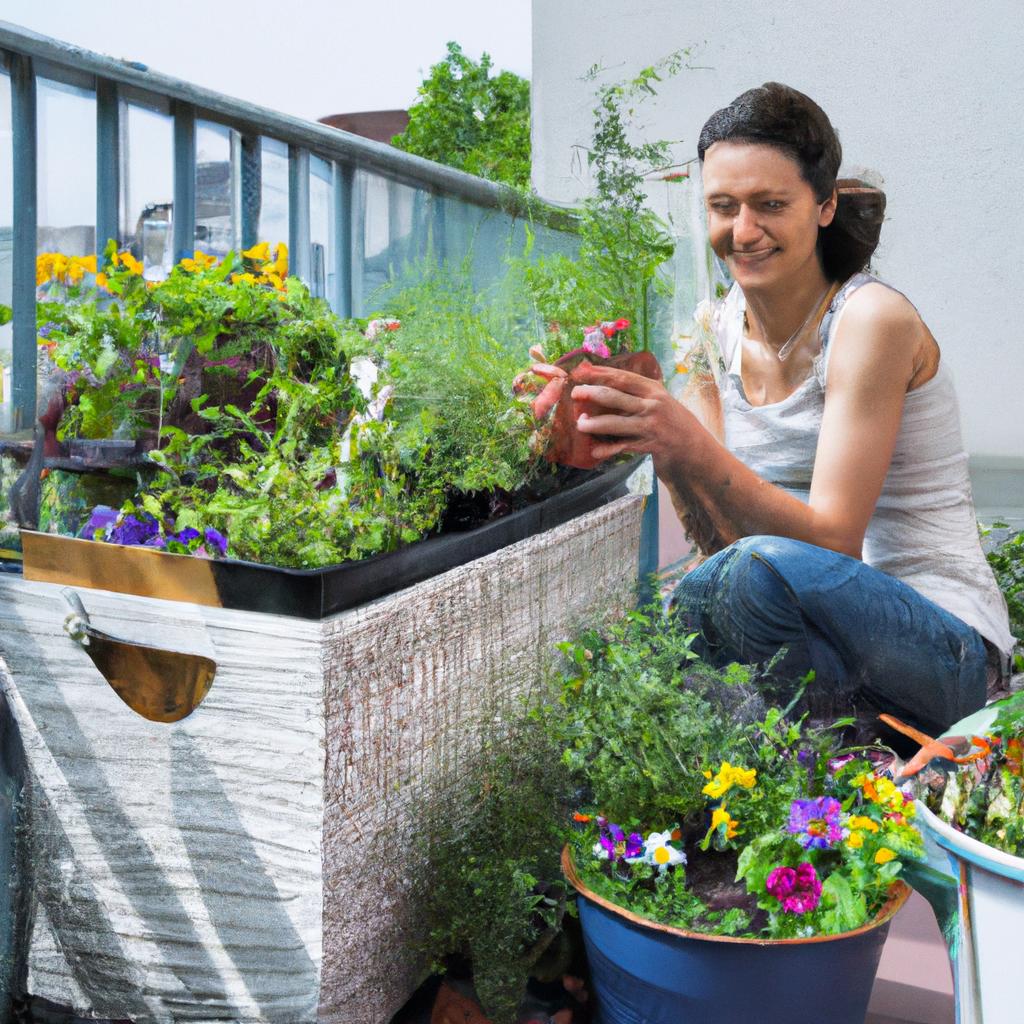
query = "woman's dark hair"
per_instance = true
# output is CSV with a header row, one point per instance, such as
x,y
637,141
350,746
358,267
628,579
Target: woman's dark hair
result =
x,y
779,116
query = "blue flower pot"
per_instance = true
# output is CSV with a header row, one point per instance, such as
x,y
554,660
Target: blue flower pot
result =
x,y
643,972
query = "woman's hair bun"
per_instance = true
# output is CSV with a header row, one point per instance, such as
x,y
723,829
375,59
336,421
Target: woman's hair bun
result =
x,y
849,242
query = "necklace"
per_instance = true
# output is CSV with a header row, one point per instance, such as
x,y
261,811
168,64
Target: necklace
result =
x,y
789,344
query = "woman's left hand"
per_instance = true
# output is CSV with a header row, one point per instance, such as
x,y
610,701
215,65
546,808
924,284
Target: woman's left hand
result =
x,y
632,414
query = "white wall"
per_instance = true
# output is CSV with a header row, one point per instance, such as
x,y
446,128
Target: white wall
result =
x,y
928,94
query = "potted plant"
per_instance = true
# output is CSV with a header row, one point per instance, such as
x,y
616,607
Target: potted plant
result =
x,y
971,812
731,862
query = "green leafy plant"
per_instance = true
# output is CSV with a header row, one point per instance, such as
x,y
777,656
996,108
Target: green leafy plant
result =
x,y
693,785
491,890
469,118
1007,561
624,246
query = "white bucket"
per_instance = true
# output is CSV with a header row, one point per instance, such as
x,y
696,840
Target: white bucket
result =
x,y
987,965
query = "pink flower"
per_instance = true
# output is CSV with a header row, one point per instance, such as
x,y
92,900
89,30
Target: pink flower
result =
x,y
594,344
621,325
798,890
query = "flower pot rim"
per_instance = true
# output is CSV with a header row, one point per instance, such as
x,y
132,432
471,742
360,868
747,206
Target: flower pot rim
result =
x,y
899,893
966,847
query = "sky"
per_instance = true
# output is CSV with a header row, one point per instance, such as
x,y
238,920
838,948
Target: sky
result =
x,y
308,58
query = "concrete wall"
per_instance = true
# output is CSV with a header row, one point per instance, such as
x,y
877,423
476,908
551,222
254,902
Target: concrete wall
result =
x,y
927,94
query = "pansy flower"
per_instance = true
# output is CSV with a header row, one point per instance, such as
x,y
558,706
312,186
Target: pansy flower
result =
x,y
816,822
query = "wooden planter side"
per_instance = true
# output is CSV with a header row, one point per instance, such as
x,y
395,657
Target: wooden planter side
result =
x,y
409,682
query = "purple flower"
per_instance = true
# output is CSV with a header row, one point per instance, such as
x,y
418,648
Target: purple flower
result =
x,y
135,530
798,890
44,331
190,533
618,846
805,757
103,516
216,539
815,822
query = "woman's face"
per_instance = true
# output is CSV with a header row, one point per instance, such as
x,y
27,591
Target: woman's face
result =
x,y
763,218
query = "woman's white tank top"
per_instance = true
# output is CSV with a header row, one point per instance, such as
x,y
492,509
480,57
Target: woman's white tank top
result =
x,y
923,531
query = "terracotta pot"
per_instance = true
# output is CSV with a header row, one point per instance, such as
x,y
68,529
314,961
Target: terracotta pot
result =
x,y
643,970
568,446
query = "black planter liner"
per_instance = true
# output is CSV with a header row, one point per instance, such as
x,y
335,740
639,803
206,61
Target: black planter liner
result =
x,y
317,593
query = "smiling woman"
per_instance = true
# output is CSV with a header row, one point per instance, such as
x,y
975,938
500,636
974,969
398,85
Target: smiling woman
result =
x,y
817,459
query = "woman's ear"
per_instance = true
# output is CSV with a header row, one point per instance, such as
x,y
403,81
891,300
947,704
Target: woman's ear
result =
x,y
828,210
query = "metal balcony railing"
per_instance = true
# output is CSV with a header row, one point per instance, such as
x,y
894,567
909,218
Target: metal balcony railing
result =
x,y
178,168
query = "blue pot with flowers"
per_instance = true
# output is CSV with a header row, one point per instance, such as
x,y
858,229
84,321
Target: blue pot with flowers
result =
x,y
732,862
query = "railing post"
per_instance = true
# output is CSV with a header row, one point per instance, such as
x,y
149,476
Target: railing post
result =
x,y
252,189
108,163
184,212
23,276
298,213
340,240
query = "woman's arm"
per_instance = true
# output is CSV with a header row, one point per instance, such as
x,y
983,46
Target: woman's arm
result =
x,y
876,353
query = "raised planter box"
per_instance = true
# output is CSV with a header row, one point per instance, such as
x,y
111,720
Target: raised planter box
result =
x,y
249,862
306,593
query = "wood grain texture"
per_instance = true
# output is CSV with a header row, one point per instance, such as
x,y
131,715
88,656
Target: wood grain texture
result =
x,y
408,681
249,863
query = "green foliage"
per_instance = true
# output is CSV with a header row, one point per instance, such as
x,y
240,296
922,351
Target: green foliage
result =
x,y
452,364
470,119
243,393
624,245
1007,561
658,740
491,886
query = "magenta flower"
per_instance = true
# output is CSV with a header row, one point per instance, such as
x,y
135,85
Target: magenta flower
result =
x,y
797,889
815,822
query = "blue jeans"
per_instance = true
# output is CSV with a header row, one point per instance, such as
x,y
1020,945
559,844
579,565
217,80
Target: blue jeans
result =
x,y
868,637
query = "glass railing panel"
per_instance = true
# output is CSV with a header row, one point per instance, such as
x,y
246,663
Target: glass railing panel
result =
x,y
66,154
147,187
273,192
392,227
215,187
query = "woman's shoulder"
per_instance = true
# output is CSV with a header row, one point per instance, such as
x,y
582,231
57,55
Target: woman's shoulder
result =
x,y
878,328
872,303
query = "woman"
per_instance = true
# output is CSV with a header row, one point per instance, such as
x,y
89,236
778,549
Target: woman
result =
x,y
824,472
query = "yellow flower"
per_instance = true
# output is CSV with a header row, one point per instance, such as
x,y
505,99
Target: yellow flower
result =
x,y
199,261
128,261
60,265
101,280
855,840
720,816
89,262
281,260
727,777
248,278
260,251
884,855
76,270
858,821
44,267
